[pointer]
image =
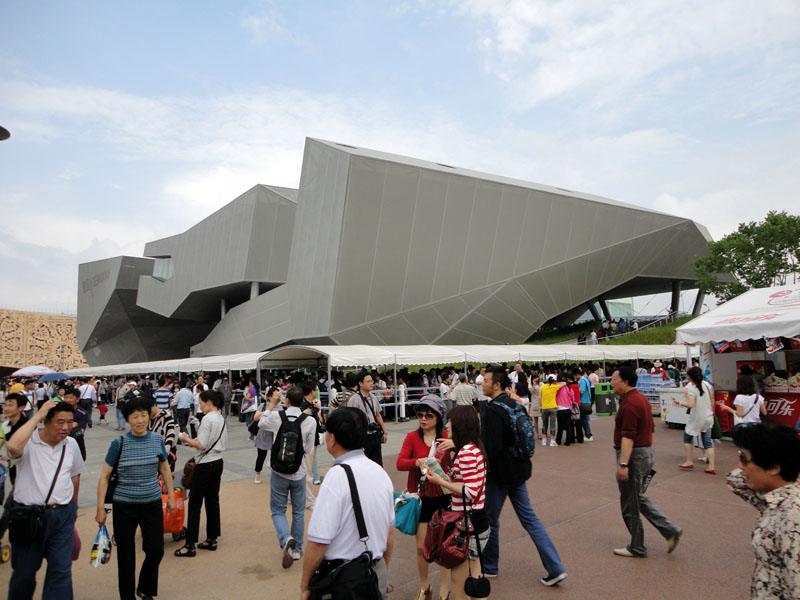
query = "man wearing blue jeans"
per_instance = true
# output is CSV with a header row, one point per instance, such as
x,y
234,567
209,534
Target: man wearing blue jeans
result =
x,y
282,485
49,467
506,479
585,386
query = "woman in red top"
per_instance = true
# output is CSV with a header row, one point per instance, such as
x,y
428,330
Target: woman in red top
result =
x,y
416,448
467,484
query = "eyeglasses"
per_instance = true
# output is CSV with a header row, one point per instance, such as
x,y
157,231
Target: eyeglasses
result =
x,y
424,415
743,458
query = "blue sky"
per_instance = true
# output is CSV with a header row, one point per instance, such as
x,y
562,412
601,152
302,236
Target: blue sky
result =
x,y
132,121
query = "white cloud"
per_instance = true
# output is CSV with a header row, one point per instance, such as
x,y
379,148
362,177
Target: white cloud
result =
x,y
601,51
266,28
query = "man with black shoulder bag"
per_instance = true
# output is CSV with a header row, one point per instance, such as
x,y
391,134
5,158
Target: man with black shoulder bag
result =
x,y
371,407
351,531
43,508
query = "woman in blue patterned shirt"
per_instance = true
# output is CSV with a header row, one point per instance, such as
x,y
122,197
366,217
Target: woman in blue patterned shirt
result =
x,y
137,499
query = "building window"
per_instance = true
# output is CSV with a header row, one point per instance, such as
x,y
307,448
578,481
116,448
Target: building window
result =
x,y
164,268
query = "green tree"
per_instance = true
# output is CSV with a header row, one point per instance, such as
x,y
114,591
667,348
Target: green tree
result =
x,y
756,255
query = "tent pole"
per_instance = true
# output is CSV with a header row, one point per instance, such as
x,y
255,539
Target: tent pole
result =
x,y
330,385
688,357
394,391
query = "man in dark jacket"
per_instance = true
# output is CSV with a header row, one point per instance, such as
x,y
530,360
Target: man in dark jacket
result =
x,y
506,479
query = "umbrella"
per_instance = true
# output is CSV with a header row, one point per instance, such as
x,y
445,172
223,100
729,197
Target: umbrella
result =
x,y
33,371
53,377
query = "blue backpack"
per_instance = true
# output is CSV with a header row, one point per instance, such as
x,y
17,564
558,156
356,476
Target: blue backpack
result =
x,y
522,427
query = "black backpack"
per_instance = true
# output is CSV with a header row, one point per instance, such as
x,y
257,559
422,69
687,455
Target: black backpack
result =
x,y
287,449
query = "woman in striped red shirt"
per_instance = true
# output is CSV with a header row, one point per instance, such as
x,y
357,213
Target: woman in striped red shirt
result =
x,y
467,484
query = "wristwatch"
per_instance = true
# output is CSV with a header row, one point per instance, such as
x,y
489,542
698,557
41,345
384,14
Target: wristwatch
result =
x,y
623,465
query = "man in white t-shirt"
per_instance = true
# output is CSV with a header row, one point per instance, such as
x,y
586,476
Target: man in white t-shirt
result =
x,y
479,378
332,531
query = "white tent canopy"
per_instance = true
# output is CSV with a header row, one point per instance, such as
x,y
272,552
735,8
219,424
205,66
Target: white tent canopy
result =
x,y
382,356
764,312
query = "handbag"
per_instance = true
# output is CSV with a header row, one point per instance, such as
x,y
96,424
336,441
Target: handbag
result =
x,y
354,579
716,429
24,521
191,464
113,479
447,540
253,427
407,508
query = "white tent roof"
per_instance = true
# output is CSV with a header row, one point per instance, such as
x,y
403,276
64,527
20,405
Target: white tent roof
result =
x,y
382,356
764,312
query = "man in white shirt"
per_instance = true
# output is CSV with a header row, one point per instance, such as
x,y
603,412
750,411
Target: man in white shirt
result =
x,y
332,531
479,378
284,484
42,482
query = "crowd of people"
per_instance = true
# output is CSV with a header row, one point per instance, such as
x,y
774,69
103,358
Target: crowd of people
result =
x,y
471,450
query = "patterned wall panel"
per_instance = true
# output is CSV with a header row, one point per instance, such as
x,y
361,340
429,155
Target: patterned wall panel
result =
x,y
28,338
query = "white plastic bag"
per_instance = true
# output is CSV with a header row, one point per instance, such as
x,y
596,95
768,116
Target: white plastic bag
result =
x,y
101,549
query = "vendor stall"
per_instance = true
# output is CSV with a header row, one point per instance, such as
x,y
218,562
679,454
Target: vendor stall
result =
x,y
759,333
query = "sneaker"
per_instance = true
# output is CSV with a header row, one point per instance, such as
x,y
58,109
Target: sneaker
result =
x,y
588,439
257,479
297,555
672,542
288,550
548,581
489,575
317,481
553,444
624,552
544,442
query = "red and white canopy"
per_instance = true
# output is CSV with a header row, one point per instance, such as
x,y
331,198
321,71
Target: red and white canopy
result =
x,y
759,313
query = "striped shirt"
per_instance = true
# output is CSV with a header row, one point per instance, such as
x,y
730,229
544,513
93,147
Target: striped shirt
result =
x,y
469,470
164,425
138,467
162,397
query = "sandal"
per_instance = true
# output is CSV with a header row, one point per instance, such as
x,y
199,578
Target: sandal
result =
x,y
424,594
186,551
208,545
710,471
389,588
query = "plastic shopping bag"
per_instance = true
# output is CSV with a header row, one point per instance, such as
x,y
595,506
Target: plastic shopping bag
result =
x,y
101,549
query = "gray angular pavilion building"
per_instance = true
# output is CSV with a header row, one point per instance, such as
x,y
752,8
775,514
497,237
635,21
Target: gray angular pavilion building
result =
x,y
375,248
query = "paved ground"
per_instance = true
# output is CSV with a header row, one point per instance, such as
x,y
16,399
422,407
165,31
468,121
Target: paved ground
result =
x,y
573,492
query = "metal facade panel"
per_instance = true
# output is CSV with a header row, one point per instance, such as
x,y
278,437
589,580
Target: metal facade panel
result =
x,y
398,329
453,239
483,228
388,274
506,240
425,240
428,321
316,272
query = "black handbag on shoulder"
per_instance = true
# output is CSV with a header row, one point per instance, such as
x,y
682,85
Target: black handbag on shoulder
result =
x,y
354,579
24,521
113,479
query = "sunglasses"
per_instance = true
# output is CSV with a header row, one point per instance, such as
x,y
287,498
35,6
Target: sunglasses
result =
x,y
424,415
743,458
